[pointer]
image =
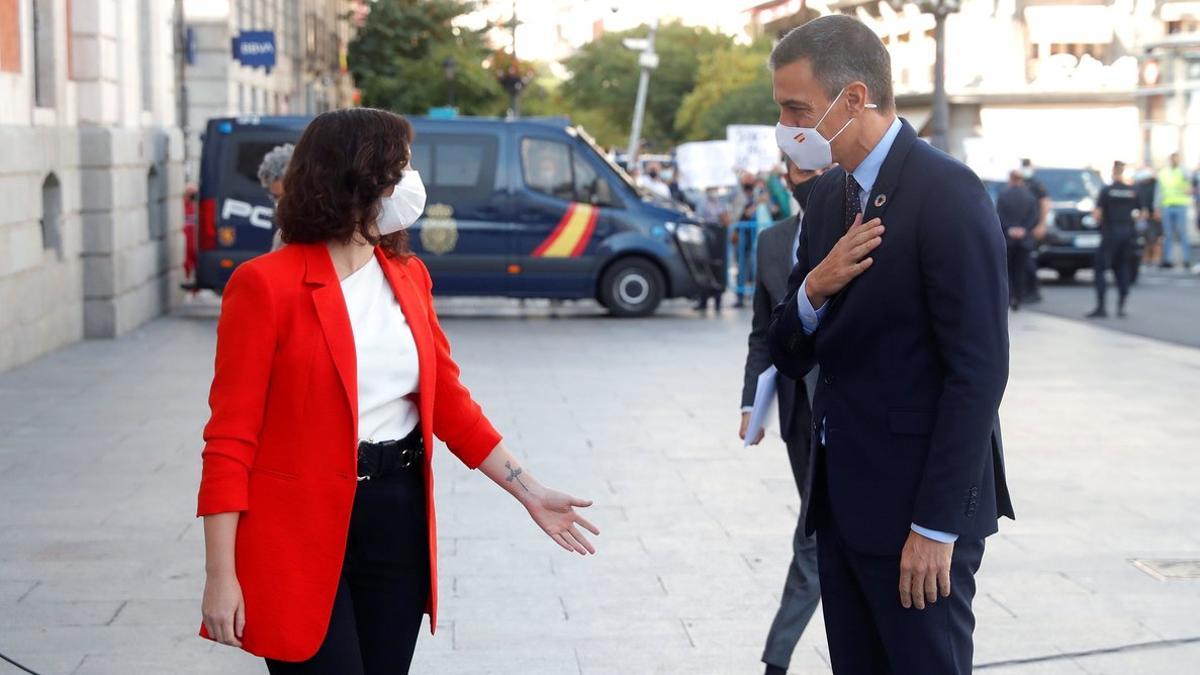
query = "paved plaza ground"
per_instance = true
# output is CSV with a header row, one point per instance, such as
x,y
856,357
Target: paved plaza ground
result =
x,y
101,560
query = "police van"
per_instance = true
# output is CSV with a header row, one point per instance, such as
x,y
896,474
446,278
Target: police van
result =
x,y
525,208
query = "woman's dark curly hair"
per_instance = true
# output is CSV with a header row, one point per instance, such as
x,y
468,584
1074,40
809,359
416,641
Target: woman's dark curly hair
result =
x,y
343,163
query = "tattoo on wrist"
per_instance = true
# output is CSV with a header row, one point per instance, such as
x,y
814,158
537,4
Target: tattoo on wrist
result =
x,y
514,475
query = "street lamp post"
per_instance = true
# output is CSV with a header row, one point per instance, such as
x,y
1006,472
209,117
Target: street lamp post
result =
x,y
940,119
941,106
450,68
648,60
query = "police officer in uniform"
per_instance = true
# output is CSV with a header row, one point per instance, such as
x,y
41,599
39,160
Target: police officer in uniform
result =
x,y
1117,213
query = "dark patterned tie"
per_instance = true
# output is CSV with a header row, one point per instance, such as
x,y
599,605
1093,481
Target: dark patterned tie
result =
x,y
853,203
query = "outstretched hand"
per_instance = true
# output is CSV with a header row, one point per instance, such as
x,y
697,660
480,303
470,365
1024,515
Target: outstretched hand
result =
x,y
555,513
552,510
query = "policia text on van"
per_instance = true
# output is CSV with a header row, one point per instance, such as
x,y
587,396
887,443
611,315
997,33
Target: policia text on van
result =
x,y
519,208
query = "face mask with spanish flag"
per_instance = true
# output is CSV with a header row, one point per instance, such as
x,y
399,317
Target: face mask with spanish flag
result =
x,y
806,147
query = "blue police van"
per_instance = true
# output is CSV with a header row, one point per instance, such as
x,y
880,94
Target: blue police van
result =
x,y
525,208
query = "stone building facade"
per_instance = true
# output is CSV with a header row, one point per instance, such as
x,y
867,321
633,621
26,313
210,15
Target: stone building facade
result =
x,y
91,178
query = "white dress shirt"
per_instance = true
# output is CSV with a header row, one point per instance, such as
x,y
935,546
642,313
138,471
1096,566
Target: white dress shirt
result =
x,y
386,354
866,173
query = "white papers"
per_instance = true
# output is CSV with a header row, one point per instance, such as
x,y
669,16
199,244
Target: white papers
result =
x,y
764,400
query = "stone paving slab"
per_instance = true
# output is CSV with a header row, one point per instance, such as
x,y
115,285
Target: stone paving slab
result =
x,y
101,562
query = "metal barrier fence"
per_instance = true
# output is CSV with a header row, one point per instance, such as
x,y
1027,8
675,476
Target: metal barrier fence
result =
x,y
743,249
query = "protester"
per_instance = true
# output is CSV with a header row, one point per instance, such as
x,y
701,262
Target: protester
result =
x,y
1117,211
755,210
322,350
776,256
1174,196
191,197
652,181
270,175
715,214
899,296
1149,222
1019,212
777,185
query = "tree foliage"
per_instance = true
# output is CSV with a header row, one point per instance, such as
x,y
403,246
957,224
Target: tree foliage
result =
x,y
733,86
703,81
602,89
396,59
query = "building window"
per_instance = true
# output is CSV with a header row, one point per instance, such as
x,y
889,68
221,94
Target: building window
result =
x,y
1078,50
10,36
43,53
52,215
1187,24
156,205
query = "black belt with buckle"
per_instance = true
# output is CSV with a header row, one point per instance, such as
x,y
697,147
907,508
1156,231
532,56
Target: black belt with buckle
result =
x,y
379,459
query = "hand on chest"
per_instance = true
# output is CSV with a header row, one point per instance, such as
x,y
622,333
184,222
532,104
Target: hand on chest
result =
x,y
893,272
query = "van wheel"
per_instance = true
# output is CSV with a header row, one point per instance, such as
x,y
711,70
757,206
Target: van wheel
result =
x,y
632,287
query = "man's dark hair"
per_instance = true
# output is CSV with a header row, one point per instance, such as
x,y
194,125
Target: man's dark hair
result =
x,y
840,50
341,166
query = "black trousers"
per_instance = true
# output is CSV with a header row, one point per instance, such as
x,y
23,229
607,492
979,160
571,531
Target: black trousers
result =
x,y
870,632
384,587
802,589
1115,253
1018,272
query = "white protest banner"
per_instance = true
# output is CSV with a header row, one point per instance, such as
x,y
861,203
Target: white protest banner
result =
x,y
754,147
705,164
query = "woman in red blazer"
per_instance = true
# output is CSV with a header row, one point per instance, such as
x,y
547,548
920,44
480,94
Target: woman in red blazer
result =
x,y
332,377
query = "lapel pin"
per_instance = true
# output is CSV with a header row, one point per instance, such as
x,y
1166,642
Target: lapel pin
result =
x,y
880,201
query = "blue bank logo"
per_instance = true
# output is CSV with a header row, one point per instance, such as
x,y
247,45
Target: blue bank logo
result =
x,y
255,48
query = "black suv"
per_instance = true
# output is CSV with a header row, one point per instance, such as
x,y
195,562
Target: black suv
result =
x,y
1072,233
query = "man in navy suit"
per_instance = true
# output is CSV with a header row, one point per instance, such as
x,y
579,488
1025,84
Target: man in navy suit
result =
x,y
900,295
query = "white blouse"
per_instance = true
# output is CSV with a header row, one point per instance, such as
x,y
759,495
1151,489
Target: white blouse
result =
x,y
387,356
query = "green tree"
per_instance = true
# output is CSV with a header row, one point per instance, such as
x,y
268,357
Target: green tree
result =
x,y
604,76
733,86
751,103
396,58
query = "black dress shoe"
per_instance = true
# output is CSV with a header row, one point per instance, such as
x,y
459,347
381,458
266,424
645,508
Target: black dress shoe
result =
x,y
1097,313
775,670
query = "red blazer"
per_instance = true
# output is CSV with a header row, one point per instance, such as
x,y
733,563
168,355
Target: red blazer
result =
x,y
281,445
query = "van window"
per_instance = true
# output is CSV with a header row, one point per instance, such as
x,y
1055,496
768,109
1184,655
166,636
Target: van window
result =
x,y
590,187
546,166
456,168
250,155
553,168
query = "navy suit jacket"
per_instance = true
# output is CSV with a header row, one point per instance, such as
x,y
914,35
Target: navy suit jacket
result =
x,y
913,356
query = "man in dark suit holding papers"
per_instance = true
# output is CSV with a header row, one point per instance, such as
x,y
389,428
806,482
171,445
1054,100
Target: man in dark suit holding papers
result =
x,y
776,257
900,296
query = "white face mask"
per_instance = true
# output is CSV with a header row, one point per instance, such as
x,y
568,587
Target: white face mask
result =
x,y
405,206
806,147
